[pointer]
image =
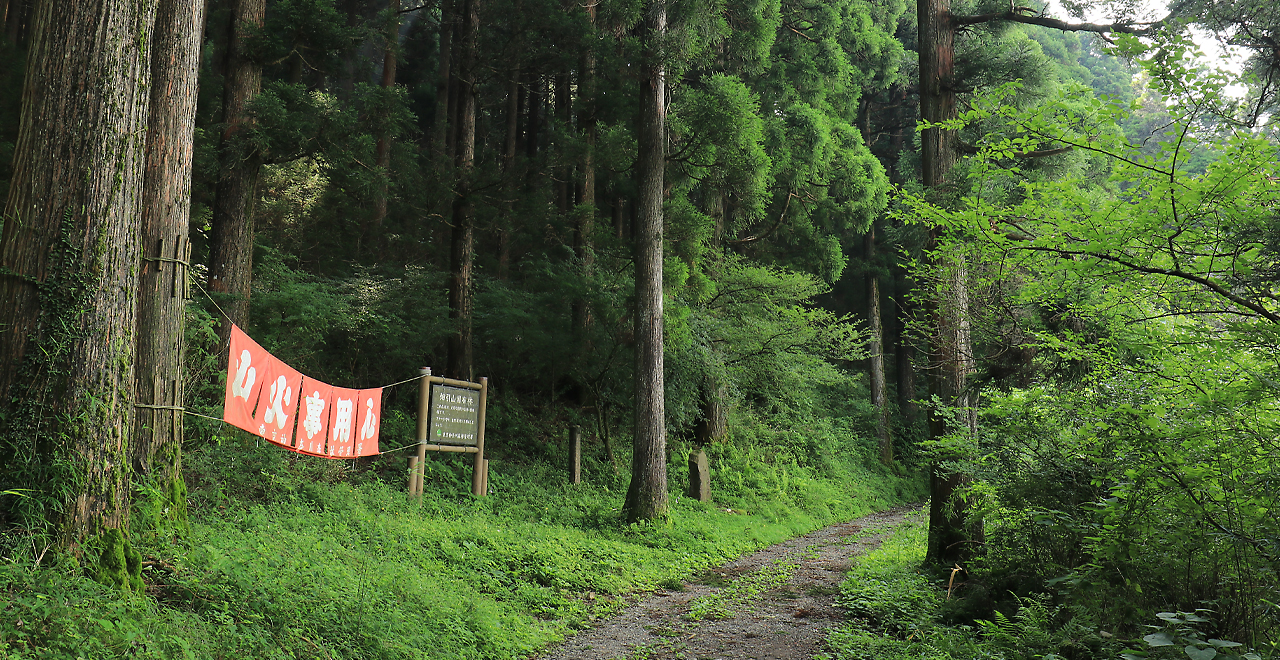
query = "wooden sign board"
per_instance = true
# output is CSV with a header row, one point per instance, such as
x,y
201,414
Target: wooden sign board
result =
x,y
455,416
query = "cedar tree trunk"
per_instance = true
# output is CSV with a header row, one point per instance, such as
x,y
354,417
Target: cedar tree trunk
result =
x,y
876,349
647,495
461,246
162,286
951,535
231,235
69,268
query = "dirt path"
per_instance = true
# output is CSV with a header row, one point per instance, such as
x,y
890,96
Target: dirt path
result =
x,y
774,604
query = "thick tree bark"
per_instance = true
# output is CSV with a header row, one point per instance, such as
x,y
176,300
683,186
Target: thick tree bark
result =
x,y
951,534
162,290
462,249
382,150
875,348
69,264
231,235
647,495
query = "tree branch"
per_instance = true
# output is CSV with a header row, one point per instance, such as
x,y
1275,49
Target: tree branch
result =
x,y
1016,15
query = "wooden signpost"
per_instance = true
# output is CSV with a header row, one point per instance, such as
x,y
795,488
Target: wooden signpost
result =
x,y
451,419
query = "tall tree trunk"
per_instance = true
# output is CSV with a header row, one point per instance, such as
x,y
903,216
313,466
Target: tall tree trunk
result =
x,y
647,495
904,351
68,268
382,150
585,216
461,249
951,534
562,174
444,81
533,121
18,19
876,349
231,235
509,146
162,286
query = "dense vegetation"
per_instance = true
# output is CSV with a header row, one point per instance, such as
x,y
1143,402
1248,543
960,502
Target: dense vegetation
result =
x,y
842,251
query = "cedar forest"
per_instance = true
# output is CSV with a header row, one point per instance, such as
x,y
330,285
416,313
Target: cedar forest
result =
x,y
1019,262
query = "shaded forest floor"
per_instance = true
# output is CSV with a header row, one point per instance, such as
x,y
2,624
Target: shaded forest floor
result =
x,y
778,603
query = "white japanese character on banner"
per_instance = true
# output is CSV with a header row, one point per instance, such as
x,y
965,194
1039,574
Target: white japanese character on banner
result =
x,y
370,426
342,421
312,423
245,373
281,396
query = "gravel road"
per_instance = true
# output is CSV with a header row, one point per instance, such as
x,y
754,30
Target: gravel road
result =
x,y
774,604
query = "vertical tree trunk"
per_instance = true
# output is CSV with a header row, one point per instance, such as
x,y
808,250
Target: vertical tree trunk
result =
x,y
533,122
951,535
444,81
647,495
508,169
231,235
461,248
17,20
585,216
904,351
876,349
162,287
382,150
69,264
562,174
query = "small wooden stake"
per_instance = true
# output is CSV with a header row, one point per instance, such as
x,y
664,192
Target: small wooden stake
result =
x,y
575,455
478,481
424,402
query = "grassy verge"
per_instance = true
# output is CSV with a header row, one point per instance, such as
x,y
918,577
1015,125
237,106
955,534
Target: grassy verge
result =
x,y
293,557
899,613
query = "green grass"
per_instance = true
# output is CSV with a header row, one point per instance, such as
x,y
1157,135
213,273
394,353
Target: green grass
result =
x,y
294,557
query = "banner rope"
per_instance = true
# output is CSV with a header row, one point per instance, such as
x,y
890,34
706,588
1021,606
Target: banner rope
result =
x,y
216,419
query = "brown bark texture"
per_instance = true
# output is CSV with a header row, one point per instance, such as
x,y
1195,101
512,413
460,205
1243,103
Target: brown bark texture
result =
x,y
231,235
462,243
166,212
69,263
647,495
951,534
875,348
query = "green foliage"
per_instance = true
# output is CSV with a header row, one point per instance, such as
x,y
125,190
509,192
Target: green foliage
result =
x,y
293,555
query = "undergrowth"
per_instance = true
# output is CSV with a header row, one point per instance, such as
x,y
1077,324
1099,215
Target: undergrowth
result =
x,y
291,556
898,611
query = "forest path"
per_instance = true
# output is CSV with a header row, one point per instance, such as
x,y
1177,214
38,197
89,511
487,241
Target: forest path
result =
x,y
777,603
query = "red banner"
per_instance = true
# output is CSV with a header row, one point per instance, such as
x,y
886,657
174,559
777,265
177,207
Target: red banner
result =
x,y
313,416
279,401
343,423
369,408
246,370
295,411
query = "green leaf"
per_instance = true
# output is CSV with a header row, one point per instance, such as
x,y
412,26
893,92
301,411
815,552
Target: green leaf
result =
x,y
1158,639
1224,644
1199,654
1169,616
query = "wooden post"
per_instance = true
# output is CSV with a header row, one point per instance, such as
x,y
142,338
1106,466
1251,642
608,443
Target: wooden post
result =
x,y
575,455
479,483
413,474
485,487
424,401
